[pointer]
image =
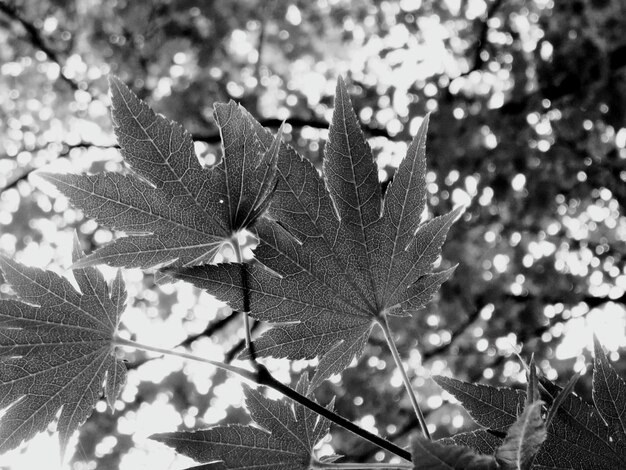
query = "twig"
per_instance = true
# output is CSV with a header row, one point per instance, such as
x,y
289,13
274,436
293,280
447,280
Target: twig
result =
x,y
237,348
298,123
37,40
68,148
481,41
265,378
212,138
454,336
260,47
210,330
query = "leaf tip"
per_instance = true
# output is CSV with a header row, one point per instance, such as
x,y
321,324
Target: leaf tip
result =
x,y
77,249
597,347
115,81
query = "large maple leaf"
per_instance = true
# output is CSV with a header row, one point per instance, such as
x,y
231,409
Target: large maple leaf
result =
x,y
175,211
336,256
580,436
56,349
283,437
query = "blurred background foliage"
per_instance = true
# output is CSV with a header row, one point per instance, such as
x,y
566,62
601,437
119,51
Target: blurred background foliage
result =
x,y
528,103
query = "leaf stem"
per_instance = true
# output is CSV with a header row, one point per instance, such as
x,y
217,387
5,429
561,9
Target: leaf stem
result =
x,y
246,374
384,324
262,376
244,280
359,466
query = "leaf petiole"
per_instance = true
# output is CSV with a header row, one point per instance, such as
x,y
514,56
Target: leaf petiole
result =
x,y
384,324
359,466
263,377
246,374
234,243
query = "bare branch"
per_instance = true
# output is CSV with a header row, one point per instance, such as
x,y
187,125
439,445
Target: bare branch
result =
x,y
37,40
481,41
210,330
66,150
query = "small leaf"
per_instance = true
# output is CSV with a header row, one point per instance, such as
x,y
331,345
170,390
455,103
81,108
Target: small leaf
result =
x,y
524,439
609,394
56,349
429,455
174,211
481,441
283,438
333,254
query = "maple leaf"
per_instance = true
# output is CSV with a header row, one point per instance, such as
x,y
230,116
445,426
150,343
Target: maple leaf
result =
x,y
334,256
282,438
56,349
175,211
577,438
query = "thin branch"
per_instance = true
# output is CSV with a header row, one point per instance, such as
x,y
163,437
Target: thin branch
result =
x,y
260,46
405,378
211,138
262,376
298,123
210,330
36,40
458,332
265,378
481,41
68,148
237,348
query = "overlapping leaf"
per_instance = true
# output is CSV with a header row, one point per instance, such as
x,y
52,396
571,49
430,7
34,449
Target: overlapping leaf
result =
x,y
525,437
175,211
429,455
283,437
336,255
56,349
480,450
577,437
